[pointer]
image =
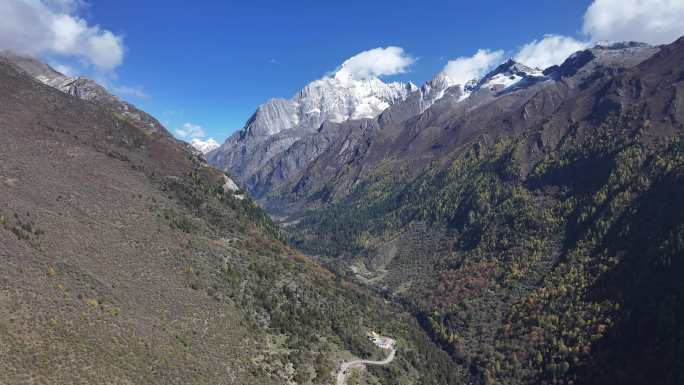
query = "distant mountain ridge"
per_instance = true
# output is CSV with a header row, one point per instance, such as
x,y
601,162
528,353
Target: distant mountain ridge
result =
x,y
281,141
337,98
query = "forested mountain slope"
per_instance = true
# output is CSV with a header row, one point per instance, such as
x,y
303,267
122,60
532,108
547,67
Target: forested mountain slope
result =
x,y
539,236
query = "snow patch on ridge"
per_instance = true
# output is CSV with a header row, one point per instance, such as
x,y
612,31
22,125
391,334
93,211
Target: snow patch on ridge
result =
x,y
205,146
230,185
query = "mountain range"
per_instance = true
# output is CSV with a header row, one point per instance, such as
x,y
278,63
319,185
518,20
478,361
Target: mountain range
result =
x,y
285,139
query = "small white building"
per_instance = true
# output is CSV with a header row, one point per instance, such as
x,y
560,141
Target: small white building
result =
x,y
380,341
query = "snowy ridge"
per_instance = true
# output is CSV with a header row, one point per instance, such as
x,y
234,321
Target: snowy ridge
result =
x,y
204,146
434,90
279,123
509,74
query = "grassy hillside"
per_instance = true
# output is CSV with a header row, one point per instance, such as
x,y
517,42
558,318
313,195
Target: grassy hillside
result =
x,y
126,262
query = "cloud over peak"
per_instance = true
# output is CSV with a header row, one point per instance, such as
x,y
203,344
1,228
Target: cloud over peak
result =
x,y
552,49
377,62
53,27
648,21
190,130
463,69
134,91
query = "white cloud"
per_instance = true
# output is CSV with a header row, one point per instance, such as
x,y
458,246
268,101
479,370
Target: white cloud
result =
x,y
463,69
134,91
64,69
53,27
649,21
377,62
193,133
190,130
65,6
552,49
205,145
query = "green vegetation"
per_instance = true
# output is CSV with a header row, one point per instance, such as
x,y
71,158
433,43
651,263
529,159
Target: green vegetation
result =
x,y
202,192
549,261
283,293
24,228
152,273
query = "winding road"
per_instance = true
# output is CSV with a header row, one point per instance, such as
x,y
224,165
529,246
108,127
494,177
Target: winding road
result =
x,y
346,366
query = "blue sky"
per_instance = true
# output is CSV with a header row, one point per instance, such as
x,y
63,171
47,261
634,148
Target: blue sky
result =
x,y
212,63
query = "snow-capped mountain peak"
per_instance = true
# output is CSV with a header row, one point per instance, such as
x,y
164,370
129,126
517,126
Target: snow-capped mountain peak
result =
x,y
279,123
336,97
441,81
434,89
204,146
508,74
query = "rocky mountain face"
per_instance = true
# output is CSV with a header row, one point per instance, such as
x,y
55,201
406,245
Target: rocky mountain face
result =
x,y
127,259
442,88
